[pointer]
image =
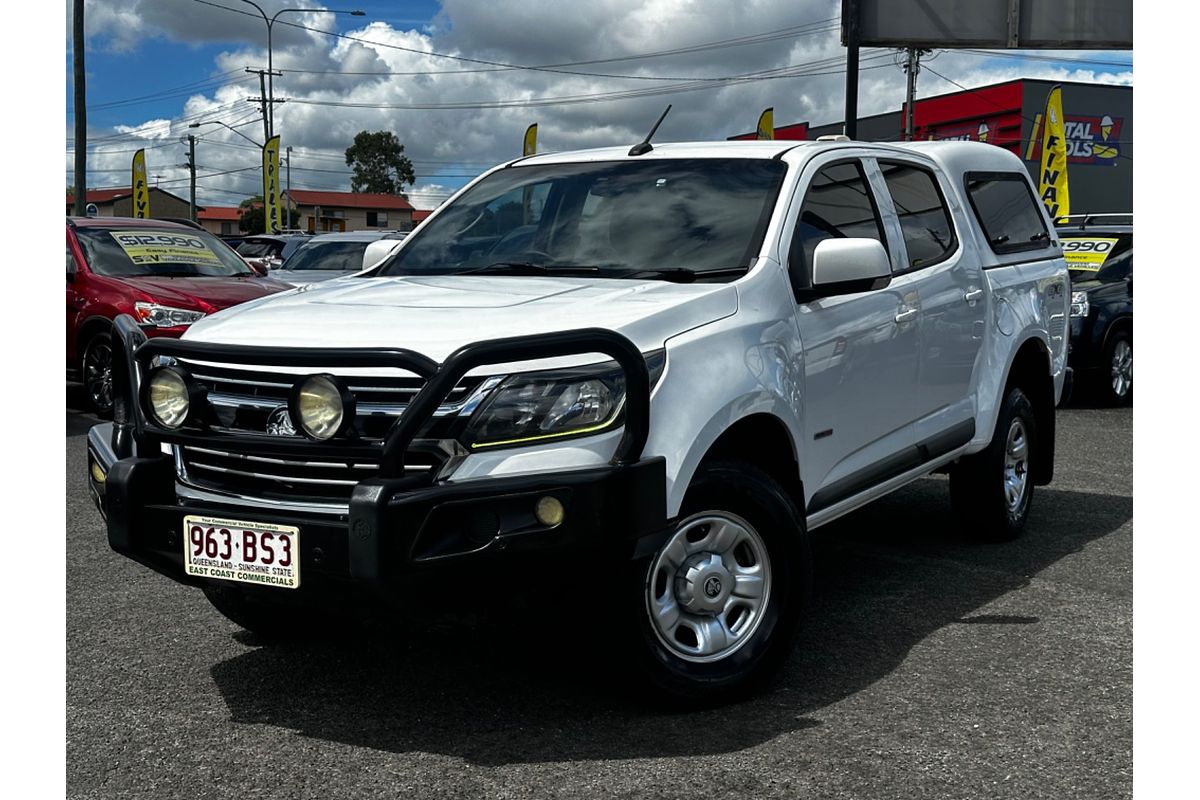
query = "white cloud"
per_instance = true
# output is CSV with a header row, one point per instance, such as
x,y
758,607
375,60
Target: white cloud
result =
x,y
449,145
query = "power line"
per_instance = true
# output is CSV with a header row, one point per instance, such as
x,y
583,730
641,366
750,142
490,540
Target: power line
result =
x,y
792,71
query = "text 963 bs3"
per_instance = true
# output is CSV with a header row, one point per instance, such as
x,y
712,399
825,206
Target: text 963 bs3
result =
x,y
249,552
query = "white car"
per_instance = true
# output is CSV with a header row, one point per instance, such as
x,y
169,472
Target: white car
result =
x,y
646,376
336,255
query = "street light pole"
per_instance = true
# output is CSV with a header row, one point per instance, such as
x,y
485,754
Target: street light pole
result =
x,y
270,52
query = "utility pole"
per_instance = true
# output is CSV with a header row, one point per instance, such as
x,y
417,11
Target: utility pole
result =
x,y
913,65
288,212
262,100
850,39
80,112
192,169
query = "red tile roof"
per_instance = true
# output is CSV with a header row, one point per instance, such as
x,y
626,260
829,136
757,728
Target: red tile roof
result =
x,y
304,197
220,213
420,214
102,195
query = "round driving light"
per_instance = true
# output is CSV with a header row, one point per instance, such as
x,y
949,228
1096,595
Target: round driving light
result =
x,y
98,473
549,511
169,397
321,407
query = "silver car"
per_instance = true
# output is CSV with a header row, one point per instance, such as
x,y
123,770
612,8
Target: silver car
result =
x,y
336,255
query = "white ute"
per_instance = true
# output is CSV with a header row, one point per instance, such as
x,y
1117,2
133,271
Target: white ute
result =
x,y
655,370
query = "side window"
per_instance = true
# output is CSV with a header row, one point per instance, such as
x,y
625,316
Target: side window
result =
x,y
1116,268
924,218
838,205
1010,215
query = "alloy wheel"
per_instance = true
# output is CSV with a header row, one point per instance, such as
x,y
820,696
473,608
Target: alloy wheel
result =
x,y
1122,368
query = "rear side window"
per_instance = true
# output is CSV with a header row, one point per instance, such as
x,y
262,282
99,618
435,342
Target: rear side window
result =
x,y
1007,210
924,218
838,205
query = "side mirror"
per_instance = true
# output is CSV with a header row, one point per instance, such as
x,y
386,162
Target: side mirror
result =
x,y
377,251
71,268
846,266
259,268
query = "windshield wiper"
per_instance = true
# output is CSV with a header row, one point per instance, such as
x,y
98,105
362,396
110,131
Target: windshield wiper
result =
x,y
681,274
530,268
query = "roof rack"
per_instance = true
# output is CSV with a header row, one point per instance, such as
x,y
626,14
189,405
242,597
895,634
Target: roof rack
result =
x,y
1083,220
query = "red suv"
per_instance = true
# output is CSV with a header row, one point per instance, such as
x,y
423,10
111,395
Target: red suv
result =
x,y
163,274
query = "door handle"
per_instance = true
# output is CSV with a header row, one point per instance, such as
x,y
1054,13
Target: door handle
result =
x,y
973,295
907,315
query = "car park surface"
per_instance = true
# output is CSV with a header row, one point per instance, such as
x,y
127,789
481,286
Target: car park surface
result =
x,y
929,667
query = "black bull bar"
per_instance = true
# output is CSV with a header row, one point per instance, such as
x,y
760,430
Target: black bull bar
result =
x,y
134,433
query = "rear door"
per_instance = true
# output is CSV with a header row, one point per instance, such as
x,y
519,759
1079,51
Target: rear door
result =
x,y
860,350
947,276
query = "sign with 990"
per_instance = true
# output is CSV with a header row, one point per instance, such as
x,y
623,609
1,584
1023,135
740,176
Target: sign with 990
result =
x,y
248,552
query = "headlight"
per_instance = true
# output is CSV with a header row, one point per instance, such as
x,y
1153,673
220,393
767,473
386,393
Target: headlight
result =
x,y
170,396
1079,304
321,407
152,315
535,407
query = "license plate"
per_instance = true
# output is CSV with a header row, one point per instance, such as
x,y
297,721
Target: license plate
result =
x,y
248,552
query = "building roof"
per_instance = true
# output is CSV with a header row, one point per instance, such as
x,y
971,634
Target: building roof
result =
x,y
420,214
220,213
306,197
111,195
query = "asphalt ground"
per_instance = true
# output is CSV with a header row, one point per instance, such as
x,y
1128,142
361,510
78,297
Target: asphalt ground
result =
x,y
928,668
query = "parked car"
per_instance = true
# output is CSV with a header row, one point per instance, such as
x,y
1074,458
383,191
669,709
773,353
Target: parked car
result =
x,y
336,255
165,275
269,249
1099,253
577,377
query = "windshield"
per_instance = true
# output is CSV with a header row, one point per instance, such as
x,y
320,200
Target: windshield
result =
x,y
142,252
340,256
614,218
258,248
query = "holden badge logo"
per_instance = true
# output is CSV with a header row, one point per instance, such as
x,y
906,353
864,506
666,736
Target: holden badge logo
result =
x,y
712,586
280,423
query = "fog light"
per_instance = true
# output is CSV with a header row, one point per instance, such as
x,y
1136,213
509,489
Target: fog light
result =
x,y
97,473
549,511
321,407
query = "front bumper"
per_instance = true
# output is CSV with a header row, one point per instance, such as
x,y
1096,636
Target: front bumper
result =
x,y
395,524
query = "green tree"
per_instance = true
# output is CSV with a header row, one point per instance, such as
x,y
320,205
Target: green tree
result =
x,y
253,219
380,166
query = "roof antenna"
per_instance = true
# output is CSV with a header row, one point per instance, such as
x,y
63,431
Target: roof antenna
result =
x,y
644,146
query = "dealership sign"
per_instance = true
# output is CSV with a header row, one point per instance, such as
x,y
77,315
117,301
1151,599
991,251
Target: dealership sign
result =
x,y
1090,140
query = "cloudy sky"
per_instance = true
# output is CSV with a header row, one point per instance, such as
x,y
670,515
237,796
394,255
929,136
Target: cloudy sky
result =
x,y
458,81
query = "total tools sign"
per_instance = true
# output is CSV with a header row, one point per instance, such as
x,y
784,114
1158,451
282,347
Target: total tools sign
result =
x,y
1090,139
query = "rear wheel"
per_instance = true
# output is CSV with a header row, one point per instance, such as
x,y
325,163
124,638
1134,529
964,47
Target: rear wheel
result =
x,y
717,608
96,371
992,490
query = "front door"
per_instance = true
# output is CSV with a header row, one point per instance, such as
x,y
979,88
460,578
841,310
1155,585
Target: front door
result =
x,y
860,350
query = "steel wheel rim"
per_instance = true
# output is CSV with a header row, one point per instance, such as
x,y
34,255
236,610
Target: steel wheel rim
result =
x,y
1122,368
708,587
97,374
1016,465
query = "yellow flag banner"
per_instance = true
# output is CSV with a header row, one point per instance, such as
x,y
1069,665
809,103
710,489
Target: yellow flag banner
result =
x,y
141,191
272,207
766,124
1052,183
530,147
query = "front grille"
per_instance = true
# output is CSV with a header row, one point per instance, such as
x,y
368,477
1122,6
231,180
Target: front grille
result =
x,y
312,479
253,404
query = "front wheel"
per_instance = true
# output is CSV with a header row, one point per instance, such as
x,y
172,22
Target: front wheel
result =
x,y
992,490
96,369
1119,357
717,608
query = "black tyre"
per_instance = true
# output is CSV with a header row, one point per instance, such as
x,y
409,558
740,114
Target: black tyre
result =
x,y
95,370
272,621
1117,386
992,490
717,608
